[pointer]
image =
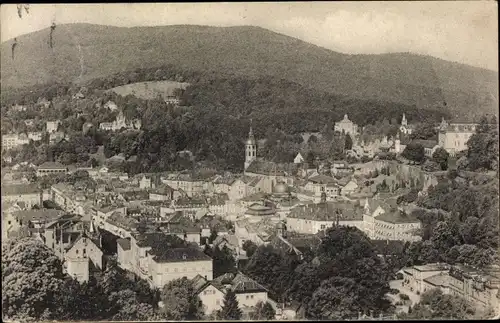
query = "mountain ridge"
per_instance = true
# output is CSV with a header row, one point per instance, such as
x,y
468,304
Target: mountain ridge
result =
x,y
85,51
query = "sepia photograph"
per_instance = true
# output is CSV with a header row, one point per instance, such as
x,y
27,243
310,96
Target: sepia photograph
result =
x,y
250,161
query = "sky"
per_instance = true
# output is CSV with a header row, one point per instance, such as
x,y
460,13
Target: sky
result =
x,y
459,31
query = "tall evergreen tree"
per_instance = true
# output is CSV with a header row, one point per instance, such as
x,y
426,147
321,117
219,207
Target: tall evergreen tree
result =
x,y
230,310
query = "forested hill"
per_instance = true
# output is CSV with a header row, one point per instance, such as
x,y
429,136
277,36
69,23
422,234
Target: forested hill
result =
x,y
83,51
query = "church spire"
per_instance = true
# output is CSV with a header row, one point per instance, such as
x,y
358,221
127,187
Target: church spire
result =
x,y
250,132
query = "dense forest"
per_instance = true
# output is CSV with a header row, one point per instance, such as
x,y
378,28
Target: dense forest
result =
x,y
212,122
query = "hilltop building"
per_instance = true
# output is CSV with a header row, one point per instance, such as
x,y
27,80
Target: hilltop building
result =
x,y
52,126
453,137
121,122
405,128
11,141
347,126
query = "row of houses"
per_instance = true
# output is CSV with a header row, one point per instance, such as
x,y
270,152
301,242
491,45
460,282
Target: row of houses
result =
x,y
480,287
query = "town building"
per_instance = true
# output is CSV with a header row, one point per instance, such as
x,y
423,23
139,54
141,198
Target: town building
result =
x,y
30,194
35,135
385,222
250,149
478,286
51,168
150,259
52,126
430,146
11,141
110,105
453,137
15,220
321,185
248,292
404,127
347,126
298,159
163,193
121,123
83,254
58,136
313,218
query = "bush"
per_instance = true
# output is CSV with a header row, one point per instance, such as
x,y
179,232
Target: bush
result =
x,y
404,297
399,276
394,291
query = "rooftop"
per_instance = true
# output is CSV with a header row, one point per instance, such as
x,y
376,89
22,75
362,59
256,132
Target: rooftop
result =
x,y
323,179
19,189
439,280
327,212
432,267
271,168
397,217
38,215
124,244
122,221
51,165
238,283
179,255
426,143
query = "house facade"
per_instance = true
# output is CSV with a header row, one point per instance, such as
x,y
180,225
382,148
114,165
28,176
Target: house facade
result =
x,y
27,193
80,256
454,137
159,266
248,292
51,168
346,126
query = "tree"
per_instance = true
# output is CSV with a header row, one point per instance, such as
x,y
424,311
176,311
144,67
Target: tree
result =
x,y
441,157
213,236
436,305
250,247
129,307
306,280
31,280
310,158
348,142
336,298
414,152
273,269
223,261
180,301
263,311
230,310
482,152
347,254
424,131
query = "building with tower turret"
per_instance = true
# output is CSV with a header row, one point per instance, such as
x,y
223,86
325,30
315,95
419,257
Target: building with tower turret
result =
x,y
347,126
250,149
405,128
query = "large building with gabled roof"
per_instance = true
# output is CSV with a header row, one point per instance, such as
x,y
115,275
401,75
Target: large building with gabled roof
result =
x,y
248,291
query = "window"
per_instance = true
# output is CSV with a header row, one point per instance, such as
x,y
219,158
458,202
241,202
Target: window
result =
x,y
248,296
322,226
76,251
9,222
251,296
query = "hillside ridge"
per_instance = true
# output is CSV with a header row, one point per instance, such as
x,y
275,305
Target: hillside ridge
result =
x,y
82,52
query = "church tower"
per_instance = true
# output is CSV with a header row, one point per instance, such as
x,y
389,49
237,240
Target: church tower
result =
x,y
397,144
404,122
250,149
